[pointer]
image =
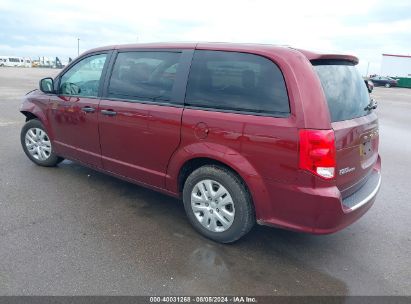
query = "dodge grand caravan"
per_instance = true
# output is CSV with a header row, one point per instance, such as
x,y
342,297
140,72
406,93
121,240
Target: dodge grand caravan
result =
x,y
242,133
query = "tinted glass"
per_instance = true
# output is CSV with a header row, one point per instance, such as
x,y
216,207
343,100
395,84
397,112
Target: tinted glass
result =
x,y
83,79
147,76
237,81
344,88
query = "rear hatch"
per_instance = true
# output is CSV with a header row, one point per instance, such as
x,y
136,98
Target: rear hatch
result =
x,y
355,126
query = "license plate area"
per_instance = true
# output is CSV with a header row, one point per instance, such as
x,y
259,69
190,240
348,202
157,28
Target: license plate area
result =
x,y
366,148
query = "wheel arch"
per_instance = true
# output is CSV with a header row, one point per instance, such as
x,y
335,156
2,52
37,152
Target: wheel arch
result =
x,y
194,163
32,110
185,161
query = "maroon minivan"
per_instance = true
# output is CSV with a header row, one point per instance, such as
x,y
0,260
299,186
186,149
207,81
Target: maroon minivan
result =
x,y
243,133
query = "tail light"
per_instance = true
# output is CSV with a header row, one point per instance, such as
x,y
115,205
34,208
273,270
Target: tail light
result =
x,y
317,152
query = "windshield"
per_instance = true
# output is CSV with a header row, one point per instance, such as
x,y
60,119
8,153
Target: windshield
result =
x,y
344,89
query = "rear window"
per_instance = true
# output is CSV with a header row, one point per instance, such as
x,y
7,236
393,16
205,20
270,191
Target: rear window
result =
x,y
344,89
237,82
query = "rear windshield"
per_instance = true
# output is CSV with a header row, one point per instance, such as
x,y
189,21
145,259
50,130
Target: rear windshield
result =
x,y
344,88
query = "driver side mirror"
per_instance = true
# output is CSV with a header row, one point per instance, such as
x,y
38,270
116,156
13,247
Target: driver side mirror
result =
x,y
47,85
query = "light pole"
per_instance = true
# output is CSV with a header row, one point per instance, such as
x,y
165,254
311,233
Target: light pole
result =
x,y
78,46
368,67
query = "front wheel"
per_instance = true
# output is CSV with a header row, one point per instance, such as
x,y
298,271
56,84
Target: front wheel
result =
x,y
218,204
37,144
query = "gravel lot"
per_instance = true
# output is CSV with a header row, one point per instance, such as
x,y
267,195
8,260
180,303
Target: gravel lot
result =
x,y
73,231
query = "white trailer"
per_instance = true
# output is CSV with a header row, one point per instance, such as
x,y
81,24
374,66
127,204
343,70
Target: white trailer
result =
x,y
396,65
11,61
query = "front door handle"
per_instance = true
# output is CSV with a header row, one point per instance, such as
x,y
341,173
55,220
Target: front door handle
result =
x,y
88,109
108,112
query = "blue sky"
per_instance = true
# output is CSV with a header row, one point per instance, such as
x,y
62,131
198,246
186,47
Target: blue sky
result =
x,y
365,28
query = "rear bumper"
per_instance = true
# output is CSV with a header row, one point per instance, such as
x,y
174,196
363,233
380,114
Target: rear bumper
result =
x,y
365,194
319,210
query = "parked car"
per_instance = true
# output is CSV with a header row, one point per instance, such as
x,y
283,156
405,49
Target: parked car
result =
x,y
384,81
369,84
241,133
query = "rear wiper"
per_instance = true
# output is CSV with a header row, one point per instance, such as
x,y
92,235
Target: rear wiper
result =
x,y
371,106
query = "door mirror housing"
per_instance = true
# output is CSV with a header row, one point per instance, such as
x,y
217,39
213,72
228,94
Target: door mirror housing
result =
x,y
47,85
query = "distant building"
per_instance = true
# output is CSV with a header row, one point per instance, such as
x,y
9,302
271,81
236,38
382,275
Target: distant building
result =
x,y
398,67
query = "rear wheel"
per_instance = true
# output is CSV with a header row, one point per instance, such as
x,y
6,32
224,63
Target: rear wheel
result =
x,y
218,204
37,144
387,85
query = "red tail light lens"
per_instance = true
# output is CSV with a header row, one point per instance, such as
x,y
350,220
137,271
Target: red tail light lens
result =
x,y
317,152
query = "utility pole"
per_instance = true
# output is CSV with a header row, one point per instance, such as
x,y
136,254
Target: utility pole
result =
x,y
78,46
368,67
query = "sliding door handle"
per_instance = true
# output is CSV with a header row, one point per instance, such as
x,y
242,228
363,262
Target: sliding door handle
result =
x,y
108,112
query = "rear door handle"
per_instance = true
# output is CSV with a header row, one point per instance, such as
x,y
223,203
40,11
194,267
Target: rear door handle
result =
x,y
88,109
108,112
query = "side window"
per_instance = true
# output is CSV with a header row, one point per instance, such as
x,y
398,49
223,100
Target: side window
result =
x,y
83,79
238,82
147,76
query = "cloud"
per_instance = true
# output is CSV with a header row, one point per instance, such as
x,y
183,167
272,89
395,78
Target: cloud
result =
x,y
365,28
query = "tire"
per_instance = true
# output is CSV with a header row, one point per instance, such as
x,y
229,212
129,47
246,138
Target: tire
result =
x,y
230,209
33,135
387,85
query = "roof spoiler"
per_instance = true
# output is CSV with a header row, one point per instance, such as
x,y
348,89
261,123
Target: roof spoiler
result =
x,y
329,57
326,57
